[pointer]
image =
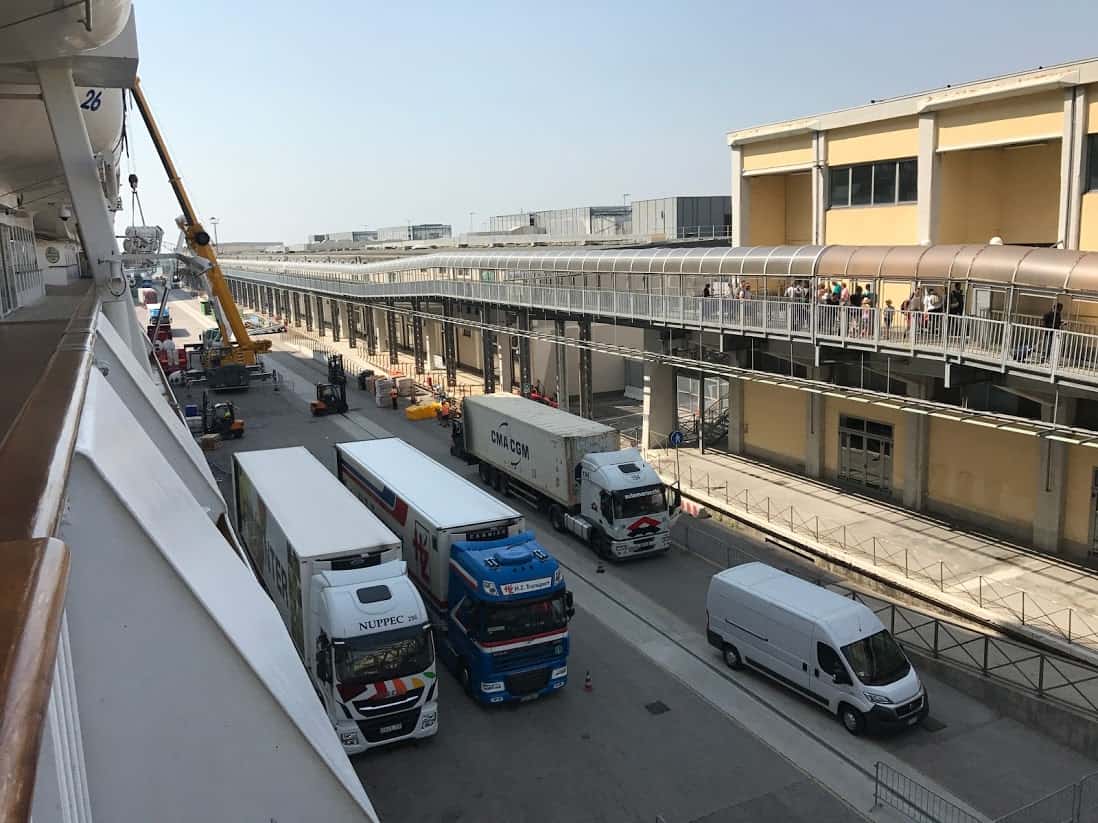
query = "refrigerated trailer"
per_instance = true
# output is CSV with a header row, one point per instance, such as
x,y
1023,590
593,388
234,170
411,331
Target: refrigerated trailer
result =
x,y
335,574
497,596
572,468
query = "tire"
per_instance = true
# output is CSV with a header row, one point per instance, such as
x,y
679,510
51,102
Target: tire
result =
x,y
601,544
466,679
238,435
852,719
556,517
732,657
503,484
485,472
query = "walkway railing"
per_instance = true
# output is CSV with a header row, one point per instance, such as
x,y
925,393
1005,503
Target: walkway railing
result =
x,y
1001,600
1020,344
914,800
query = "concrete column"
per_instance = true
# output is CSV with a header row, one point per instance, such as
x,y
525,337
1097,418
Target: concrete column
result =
x,y
337,307
1072,166
741,206
815,437
525,376
658,417
930,180
586,392
917,451
1048,522
321,321
391,333
308,298
488,353
561,351
369,329
295,298
735,416
419,349
350,312
449,343
506,364
819,187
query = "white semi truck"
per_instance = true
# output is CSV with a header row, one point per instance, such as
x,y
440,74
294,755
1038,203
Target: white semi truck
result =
x,y
571,467
334,572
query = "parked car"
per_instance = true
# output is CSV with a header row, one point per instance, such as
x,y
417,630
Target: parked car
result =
x,y
831,649
257,324
273,328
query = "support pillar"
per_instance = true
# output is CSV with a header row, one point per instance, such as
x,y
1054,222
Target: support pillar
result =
x,y
335,307
815,437
488,350
419,351
391,333
350,311
369,330
561,351
95,225
524,352
735,416
1048,521
308,311
741,205
506,364
1073,166
586,392
916,452
449,343
930,180
658,417
320,322
296,298
819,188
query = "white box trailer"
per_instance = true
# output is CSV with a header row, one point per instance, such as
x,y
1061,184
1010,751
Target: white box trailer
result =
x,y
425,503
334,573
535,443
571,467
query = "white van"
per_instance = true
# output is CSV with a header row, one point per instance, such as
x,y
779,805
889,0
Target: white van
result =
x,y
825,646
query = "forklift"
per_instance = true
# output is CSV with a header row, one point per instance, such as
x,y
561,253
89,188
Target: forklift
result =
x,y
220,418
331,397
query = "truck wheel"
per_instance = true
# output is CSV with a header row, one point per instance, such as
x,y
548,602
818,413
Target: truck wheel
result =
x,y
556,517
601,544
485,472
466,679
501,484
732,657
852,719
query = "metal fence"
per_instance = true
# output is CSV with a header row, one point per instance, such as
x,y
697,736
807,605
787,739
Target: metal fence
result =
x,y
914,800
999,599
1076,803
1018,343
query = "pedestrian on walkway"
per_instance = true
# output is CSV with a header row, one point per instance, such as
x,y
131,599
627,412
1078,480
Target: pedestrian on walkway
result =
x,y
889,311
706,292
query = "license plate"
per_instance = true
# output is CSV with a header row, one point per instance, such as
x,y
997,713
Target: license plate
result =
x,y
911,721
528,698
396,727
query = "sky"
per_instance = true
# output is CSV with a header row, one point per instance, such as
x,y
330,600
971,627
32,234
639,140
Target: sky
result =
x,y
288,118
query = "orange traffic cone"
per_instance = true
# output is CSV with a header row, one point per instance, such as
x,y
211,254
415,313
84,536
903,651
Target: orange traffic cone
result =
x,y
587,682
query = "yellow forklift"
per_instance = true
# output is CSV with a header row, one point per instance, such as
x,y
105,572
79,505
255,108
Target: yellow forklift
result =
x,y
331,397
228,361
220,418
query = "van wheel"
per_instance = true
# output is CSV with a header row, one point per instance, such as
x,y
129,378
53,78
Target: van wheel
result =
x,y
732,657
852,719
556,517
485,472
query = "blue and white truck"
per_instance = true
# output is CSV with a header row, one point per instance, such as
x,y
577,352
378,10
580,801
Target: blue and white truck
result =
x,y
497,598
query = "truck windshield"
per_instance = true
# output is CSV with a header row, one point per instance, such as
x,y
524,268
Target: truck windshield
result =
x,y
513,621
638,502
877,660
371,658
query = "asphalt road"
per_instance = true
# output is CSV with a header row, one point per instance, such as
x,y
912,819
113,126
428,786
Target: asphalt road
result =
x,y
603,755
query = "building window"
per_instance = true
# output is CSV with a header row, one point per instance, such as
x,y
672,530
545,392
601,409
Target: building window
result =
x,y
873,184
1092,162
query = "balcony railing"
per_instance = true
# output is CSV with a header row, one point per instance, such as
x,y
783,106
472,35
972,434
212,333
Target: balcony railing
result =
x,y
1020,344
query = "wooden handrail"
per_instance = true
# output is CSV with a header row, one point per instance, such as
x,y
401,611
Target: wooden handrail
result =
x,y
32,599
37,439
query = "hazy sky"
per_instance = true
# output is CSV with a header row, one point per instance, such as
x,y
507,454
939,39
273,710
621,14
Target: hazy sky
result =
x,y
288,118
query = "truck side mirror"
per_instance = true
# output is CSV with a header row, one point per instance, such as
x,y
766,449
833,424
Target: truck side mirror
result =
x,y
674,500
324,668
569,605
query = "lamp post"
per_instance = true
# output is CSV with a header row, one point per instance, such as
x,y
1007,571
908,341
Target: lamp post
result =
x,y
472,214
213,222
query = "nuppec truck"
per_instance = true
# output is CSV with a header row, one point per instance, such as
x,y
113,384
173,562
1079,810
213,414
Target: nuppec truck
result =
x,y
497,596
571,467
334,572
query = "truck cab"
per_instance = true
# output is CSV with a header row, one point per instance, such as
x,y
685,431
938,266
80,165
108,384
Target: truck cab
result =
x,y
507,625
624,498
371,651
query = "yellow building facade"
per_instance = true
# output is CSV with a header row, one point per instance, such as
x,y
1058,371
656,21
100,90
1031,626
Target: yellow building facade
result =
x,y
1013,157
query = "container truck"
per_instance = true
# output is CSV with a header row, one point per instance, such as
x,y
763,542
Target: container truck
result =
x,y
335,575
497,597
572,468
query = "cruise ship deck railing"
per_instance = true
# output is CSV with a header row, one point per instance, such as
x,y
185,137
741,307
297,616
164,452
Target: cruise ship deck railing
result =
x,y
1021,344
36,449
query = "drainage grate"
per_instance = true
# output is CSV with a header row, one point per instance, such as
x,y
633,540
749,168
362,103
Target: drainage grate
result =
x,y
659,707
932,725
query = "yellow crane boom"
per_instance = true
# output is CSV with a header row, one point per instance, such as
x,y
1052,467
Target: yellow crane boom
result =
x,y
243,349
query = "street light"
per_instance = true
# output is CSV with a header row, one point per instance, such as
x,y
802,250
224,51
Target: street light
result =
x,y
625,199
213,222
471,215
